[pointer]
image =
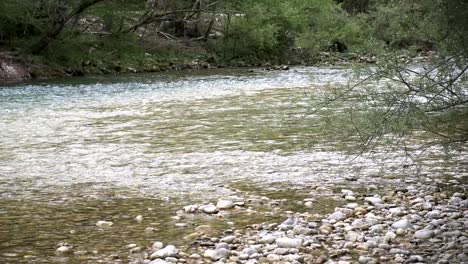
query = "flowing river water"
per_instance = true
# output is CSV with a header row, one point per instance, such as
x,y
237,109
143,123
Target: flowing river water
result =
x,y
73,152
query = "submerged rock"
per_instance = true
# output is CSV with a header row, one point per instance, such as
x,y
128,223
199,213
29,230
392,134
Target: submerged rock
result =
x,y
63,250
104,223
191,208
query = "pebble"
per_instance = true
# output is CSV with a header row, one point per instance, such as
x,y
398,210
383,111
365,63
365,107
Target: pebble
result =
x,y
157,245
402,224
367,260
159,261
228,239
390,235
268,239
273,258
337,216
415,258
150,229
222,245
398,251
325,229
433,214
285,242
360,210
217,254
168,251
374,200
400,231
423,234
360,224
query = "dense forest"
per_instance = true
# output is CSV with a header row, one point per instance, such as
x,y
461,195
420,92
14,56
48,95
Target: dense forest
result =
x,y
105,36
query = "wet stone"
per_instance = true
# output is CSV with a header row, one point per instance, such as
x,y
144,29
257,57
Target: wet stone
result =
x,y
104,224
63,250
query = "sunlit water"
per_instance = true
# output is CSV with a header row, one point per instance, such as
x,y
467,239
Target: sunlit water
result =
x,y
77,151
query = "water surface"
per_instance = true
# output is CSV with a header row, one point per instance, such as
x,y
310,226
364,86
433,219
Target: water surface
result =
x,y
73,152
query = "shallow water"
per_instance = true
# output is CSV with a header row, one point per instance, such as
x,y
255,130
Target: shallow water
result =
x,y
73,152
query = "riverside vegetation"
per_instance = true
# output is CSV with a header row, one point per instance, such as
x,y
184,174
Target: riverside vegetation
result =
x,y
57,37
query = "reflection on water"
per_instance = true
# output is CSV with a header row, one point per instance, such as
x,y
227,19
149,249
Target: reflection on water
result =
x,y
83,150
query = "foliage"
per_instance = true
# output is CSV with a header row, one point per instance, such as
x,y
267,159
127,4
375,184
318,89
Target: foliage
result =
x,y
407,103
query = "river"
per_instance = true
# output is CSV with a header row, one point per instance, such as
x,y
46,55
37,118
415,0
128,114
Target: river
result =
x,y
76,151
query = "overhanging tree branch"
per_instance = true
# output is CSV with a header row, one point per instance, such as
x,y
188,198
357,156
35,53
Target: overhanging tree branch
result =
x,y
58,25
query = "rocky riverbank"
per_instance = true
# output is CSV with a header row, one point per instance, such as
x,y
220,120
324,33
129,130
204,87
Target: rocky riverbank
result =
x,y
421,223
418,222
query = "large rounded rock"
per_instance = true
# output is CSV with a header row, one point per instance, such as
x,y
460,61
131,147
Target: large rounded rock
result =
x,y
224,204
209,209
